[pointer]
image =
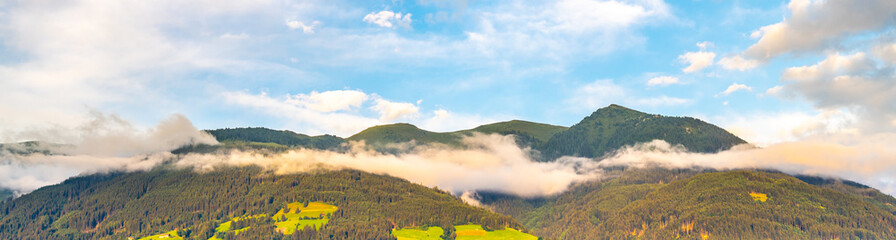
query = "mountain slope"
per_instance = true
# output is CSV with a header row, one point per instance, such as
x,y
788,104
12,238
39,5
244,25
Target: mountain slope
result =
x,y
614,126
527,133
402,132
688,204
122,205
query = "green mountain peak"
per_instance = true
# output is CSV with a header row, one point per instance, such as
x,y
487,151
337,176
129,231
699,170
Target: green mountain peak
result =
x,y
615,126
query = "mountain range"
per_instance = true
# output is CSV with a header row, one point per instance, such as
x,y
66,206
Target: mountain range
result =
x,y
626,203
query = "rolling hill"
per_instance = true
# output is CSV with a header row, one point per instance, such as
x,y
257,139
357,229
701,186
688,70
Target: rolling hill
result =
x,y
402,132
122,205
700,204
527,133
614,126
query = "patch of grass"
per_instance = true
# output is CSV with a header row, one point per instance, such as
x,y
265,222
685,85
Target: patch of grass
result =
x,y
225,226
172,235
759,196
464,232
431,233
315,214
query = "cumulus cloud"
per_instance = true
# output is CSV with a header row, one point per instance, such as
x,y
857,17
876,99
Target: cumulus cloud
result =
x,y
390,111
817,25
774,91
738,62
388,19
663,81
850,81
767,128
696,60
886,52
734,87
306,28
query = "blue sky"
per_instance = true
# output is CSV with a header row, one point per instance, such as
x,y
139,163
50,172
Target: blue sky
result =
x,y
769,71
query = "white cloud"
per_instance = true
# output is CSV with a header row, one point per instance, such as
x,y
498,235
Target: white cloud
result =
x,y
767,128
329,101
703,45
314,113
736,87
816,25
738,62
300,117
68,58
587,15
865,159
306,28
840,81
389,19
390,111
774,91
886,52
663,81
696,60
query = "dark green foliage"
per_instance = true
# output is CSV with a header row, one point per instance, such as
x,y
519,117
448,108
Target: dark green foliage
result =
x,y
281,137
657,203
117,206
612,127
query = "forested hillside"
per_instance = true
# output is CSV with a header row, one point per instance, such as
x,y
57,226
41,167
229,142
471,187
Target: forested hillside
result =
x,y
122,205
692,204
612,127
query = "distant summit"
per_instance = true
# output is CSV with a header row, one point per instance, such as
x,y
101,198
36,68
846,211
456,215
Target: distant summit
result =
x,y
615,126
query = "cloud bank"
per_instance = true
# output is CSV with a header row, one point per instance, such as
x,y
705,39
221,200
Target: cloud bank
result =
x,y
867,160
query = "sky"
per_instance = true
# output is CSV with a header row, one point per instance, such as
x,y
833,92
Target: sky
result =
x,y
768,71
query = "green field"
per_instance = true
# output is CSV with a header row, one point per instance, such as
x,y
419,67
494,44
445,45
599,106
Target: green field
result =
x,y
464,232
315,214
431,233
471,232
172,235
225,227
